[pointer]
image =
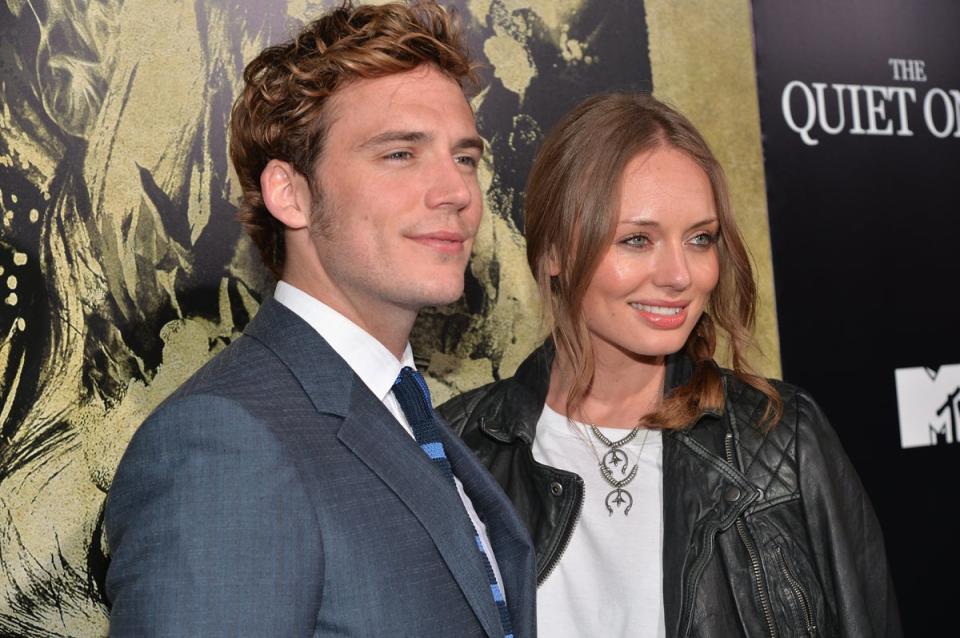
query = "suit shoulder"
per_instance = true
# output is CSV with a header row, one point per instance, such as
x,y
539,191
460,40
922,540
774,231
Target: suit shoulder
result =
x,y
243,363
232,396
198,420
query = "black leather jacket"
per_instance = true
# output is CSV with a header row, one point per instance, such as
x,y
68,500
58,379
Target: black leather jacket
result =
x,y
764,535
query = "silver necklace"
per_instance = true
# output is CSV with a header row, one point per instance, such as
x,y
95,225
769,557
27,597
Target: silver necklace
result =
x,y
610,464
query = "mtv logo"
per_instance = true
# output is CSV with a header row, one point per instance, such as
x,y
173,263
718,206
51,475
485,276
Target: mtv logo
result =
x,y
928,402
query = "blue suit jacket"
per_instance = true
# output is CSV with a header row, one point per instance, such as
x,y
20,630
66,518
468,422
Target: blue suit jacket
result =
x,y
274,495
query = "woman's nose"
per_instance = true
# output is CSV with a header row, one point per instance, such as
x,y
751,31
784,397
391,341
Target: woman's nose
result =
x,y
671,269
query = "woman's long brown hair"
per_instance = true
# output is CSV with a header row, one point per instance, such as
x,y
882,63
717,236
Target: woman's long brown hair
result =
x,y
570,217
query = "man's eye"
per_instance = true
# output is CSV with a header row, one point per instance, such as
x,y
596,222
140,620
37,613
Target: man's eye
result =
x,y
399,155
467,160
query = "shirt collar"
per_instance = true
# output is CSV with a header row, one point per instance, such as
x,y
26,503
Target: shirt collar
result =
x,y
376,366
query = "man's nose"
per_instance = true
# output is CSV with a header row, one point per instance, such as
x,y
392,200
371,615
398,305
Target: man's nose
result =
x,y
449,186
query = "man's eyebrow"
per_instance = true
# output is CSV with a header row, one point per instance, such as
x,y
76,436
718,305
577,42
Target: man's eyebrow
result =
x,y
470,142
389,137
419,137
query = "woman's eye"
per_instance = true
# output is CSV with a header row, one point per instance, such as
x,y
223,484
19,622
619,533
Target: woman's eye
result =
x,y
703,239
636,241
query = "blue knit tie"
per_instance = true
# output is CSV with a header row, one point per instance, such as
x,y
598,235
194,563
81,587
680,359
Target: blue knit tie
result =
x,y
414,398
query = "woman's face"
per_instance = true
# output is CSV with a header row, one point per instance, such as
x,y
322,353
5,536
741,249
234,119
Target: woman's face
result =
x,y
654,281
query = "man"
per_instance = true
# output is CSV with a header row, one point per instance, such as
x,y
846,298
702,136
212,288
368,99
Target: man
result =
x,y
299,484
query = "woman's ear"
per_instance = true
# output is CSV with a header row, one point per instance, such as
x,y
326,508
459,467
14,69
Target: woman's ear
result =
x,y
286,194
553,264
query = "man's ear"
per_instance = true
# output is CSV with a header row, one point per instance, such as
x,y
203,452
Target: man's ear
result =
x,y
286,194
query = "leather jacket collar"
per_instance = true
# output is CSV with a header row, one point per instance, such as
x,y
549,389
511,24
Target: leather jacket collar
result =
x,y
527,396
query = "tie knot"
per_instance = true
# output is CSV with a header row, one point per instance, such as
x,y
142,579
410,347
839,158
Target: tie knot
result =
x,y
411,392
407,376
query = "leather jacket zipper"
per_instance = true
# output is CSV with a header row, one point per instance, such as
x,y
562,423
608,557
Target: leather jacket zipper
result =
x,y
581,490
695,572
757,576
752,552
799,594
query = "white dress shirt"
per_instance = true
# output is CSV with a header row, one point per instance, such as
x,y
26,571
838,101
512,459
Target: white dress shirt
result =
x,y
376,366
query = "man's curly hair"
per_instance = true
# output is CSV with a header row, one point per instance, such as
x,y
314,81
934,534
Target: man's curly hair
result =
x,y
281,112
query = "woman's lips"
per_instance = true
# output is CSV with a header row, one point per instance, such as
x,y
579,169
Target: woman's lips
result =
x,y
663,315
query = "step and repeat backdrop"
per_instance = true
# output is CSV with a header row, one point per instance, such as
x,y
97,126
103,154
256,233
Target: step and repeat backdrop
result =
x,y
860,111
122,269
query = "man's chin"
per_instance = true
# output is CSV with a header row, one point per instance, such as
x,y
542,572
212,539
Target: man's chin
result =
x,y
446,300
441,296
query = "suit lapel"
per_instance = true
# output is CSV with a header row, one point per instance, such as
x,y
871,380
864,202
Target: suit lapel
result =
x,y
323,374
379,441
508,535
371,432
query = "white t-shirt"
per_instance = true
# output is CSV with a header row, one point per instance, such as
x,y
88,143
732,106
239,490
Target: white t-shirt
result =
x,y
609,581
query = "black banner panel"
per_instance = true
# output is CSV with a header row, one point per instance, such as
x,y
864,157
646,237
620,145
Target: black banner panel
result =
x,y
860,112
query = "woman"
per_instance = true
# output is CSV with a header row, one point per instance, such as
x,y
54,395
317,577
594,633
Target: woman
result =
x,y
665,495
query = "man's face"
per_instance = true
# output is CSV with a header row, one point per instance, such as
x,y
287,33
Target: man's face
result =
x,y
400,198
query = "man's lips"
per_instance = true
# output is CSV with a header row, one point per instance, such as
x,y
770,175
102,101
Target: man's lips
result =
x,y
443,241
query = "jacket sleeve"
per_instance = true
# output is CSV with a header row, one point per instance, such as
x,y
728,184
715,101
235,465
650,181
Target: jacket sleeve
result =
x,y
210,530
844,530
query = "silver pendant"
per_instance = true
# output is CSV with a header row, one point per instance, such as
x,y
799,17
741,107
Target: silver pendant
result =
x,y
618,495
616,461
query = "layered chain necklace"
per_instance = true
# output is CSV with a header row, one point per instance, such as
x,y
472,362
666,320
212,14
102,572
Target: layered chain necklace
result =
x,y
615,468
615,465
